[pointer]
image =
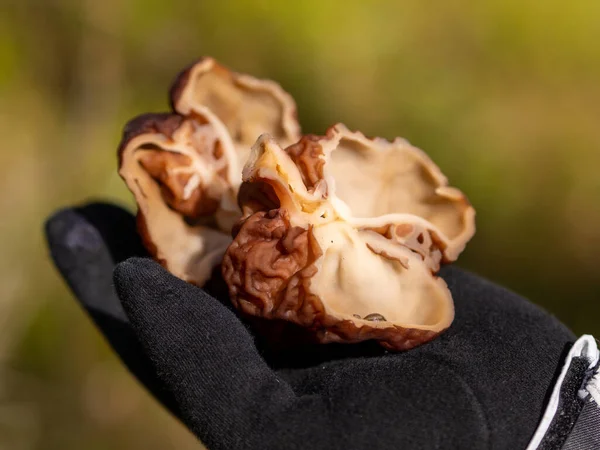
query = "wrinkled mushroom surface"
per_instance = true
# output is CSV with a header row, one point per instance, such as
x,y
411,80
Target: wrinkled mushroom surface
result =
x,y
184,168
343,235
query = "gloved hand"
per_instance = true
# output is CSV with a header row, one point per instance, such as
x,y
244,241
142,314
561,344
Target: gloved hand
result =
x,y
483,384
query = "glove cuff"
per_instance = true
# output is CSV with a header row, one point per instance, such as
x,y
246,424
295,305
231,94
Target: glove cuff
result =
x,y
572,417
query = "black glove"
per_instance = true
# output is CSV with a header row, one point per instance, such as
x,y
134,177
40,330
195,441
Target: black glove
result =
x,y
483,384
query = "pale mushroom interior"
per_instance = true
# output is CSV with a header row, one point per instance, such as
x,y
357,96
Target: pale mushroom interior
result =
x,y
380,178
246,113
355,278
248,107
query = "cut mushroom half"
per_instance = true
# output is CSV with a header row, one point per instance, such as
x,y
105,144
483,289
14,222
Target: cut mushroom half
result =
x,y
184,168
343,235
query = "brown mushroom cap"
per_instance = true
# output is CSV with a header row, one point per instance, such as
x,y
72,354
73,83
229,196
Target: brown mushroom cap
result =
x,y
343,235
184,168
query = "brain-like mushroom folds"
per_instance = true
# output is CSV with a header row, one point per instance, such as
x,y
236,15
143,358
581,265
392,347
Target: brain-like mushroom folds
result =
x,y
184,168
343,235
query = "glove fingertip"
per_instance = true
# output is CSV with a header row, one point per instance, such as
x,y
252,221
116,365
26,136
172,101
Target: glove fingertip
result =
x,y
71,238
152,296
137,271
144,283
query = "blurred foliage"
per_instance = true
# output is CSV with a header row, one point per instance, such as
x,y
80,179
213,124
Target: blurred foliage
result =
x,y
503,94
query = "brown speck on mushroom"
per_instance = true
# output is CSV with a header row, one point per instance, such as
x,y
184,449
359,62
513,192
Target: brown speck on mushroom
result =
x,y
375,317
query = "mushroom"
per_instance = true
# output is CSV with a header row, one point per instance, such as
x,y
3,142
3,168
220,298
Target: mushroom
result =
x,y
343,235
184,167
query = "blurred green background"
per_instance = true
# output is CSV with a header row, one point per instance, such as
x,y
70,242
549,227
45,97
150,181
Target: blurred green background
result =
x,y
503,94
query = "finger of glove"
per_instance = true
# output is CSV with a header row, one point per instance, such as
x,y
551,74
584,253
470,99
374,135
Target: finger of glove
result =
x,y
203,353
85,243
